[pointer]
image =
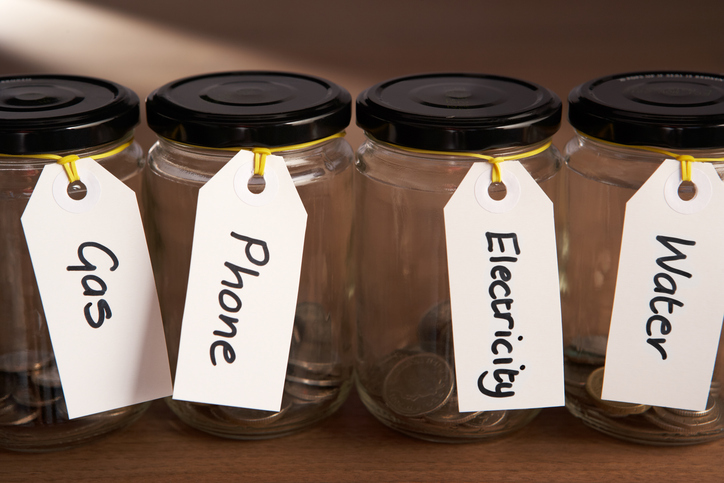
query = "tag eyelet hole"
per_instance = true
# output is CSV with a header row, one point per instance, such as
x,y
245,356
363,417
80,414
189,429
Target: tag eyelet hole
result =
x,y
256,184
687,190
497,191
77,190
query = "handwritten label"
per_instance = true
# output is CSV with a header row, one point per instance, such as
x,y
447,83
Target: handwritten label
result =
x,y
668,309
94,274
243,284
505,304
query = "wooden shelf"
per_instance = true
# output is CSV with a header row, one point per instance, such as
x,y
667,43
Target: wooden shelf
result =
x,y
353,446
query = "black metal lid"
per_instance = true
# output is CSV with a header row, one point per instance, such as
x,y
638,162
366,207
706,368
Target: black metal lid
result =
x,y
669,109
54,113
238,109
458,112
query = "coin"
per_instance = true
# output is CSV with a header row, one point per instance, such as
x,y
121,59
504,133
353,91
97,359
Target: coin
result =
x,y
711,406
35,397
312,345
15,415
576,374
7,386
46,376
715,388
305,394
373,376
594,387
656,419
590,349
418,385
312,323
24,361
250,417
435,329
485,421
696,423
449,415
315,381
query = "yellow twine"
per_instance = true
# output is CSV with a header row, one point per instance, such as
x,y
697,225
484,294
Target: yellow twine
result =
x,y
496,175
68,162
684,159
260,154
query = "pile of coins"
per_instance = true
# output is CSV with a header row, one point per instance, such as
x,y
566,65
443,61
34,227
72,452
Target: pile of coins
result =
x,y
30,392
316,384
414,388
638,422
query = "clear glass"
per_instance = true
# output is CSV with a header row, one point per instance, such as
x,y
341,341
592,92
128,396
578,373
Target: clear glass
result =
x,y
404,328
33,416
599,180
319,371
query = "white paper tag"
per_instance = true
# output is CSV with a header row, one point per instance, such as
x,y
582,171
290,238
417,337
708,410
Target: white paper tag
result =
x,y
668,307
504,295
243,284
94,273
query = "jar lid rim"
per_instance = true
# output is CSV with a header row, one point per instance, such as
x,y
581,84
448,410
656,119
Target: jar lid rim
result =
x,y
458,111
51,113
672,109
248,108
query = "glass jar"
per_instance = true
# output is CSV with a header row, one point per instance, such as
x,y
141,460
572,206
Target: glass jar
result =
x,y
194,118
58,115
404,339
678,112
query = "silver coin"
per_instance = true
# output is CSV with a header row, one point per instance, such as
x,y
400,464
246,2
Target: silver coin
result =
x,y
435,330
577,374
315,381
372,376
711,405
418,385
715,388
697,423
305,394
589,349
7,386
250,417
312,323
657,421
24,361
312,345
33,397
46,376
16,415
485,421
334,369
449,415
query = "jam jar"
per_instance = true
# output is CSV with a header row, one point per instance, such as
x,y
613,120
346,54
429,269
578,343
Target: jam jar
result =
x,y
43,118
418,132
626,126
201,121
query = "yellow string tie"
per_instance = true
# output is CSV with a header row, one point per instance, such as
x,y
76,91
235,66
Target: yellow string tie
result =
x,y
68,161
684,159
496,176
260,154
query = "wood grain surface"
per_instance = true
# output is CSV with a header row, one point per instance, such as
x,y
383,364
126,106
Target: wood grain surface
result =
x,y
353,446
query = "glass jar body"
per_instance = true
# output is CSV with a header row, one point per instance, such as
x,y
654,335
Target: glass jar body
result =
x,y
320,361
33,416
402,285
600,179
